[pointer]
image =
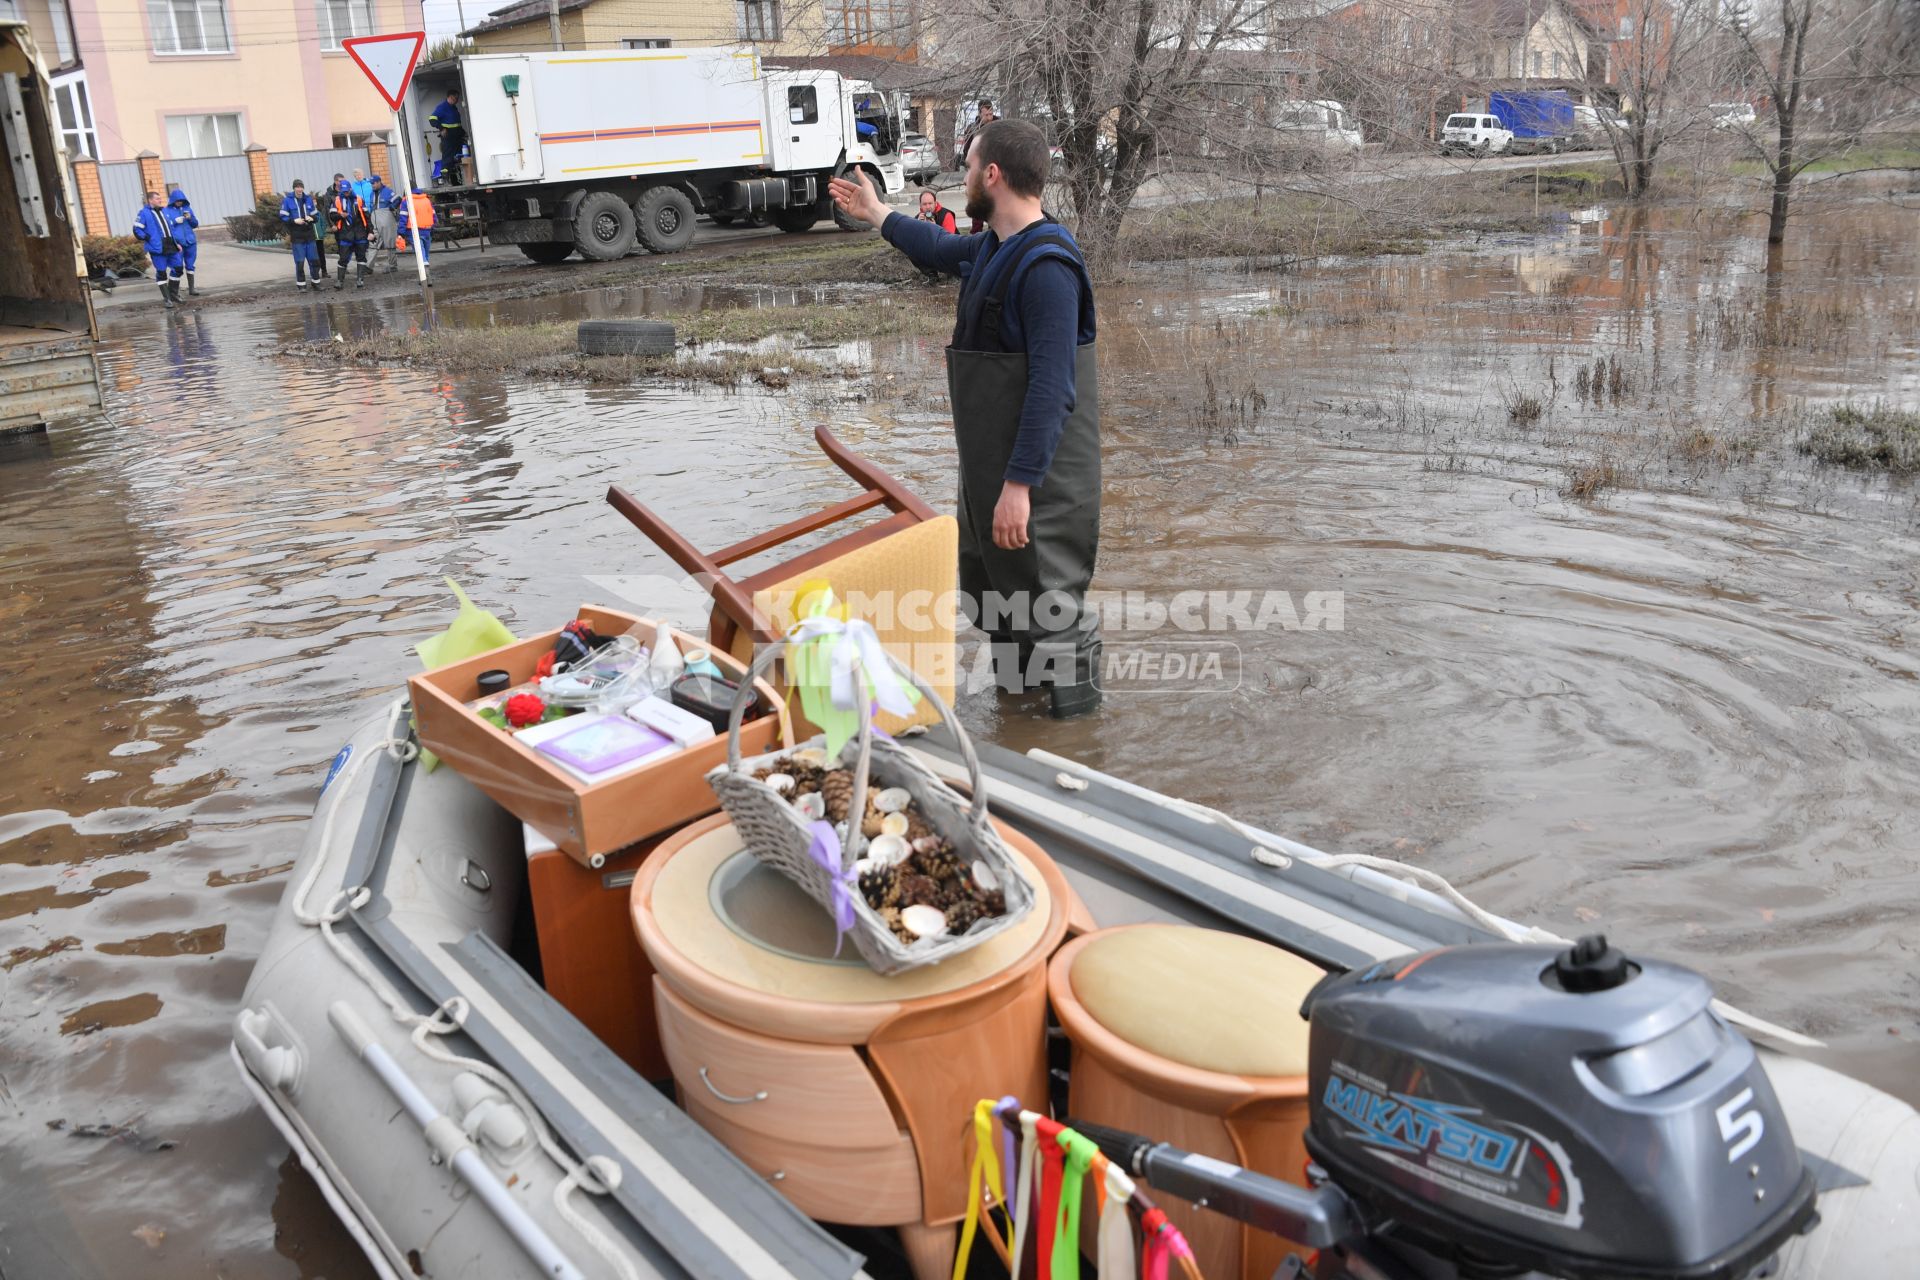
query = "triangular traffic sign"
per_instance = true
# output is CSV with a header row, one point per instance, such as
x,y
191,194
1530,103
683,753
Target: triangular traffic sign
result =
x,y
388,61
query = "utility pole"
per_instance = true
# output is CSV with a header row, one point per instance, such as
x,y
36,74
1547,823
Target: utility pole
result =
x,y
553,23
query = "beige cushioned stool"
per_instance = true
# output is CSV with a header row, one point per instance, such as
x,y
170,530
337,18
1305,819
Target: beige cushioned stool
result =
x,y
1193,1037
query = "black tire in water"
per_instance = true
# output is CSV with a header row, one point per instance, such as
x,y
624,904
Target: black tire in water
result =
x,y
794,221
603,227
626,338
548,252
665,219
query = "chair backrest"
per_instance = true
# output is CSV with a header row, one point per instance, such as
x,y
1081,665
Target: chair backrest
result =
x,y
910,550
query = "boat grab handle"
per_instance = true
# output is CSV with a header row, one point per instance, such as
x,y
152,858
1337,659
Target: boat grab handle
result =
x,y
761,1096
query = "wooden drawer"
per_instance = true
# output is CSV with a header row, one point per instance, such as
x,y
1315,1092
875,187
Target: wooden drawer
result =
x,y
811,1095
856,1186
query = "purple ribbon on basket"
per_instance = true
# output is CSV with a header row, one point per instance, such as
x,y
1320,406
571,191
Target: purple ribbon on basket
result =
x,y
825,850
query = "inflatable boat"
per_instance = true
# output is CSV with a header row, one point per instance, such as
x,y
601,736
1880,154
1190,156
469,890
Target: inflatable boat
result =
x,y
461,1122
654,1057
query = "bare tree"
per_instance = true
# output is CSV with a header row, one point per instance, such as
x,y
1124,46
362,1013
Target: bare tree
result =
x,y
1660,59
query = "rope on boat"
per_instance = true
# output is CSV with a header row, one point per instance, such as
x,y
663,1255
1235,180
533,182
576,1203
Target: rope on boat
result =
x,y
597,1175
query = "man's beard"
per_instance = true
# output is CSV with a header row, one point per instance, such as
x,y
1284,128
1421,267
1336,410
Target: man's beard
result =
x,y
979,205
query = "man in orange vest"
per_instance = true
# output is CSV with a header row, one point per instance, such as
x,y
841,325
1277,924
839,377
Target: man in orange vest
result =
x,y
416,211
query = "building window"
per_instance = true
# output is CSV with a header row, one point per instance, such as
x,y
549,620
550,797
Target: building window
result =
x,y
1626,28
646,42
1556,64
190,137
189,26
342,141
1538,58
75,111
856,24
758,19
62,30
343,20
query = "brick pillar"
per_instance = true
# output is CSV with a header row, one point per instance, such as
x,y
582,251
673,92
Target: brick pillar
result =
x,y
151,176
86,191
259,170
378,158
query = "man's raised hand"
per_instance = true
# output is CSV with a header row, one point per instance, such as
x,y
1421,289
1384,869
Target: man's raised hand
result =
x,y
857,199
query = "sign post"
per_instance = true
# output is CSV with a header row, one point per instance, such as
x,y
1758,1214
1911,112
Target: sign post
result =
x,y
389,61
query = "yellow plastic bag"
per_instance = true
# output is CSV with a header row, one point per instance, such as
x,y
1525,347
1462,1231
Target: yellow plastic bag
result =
x,y
473,631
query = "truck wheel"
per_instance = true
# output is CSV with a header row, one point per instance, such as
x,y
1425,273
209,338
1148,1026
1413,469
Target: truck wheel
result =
x,y
548,253
626,338
665,219
846,223
794,221
603,227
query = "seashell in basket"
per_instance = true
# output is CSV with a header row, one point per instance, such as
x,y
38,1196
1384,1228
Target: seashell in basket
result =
x,y
812,806
887,850
894,824
892,800
811,755
924,922
781,782
984,877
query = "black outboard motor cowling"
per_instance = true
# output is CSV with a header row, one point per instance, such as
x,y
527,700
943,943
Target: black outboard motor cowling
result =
x,y
1566,1111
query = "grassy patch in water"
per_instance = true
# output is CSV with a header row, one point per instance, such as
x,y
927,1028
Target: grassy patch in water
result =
x,y
1875,437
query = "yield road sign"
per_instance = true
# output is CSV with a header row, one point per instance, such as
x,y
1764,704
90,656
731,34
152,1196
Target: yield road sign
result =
x,y
388,61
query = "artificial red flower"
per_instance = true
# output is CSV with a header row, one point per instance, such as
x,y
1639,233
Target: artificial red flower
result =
x,y
524,709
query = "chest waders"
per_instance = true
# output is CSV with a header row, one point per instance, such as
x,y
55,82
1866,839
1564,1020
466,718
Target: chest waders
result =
x,y
1031,602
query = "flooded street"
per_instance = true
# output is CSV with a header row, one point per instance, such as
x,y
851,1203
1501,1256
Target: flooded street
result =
x,y
1686,712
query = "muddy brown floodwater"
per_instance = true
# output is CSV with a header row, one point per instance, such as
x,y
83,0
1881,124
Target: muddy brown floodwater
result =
x,y
1687,713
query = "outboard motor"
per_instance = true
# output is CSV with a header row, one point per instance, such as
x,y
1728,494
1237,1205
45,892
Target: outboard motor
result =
x,y
1499,1111
1510,1108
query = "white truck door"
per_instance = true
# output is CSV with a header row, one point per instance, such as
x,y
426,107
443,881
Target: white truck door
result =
x,y
808,121
503,125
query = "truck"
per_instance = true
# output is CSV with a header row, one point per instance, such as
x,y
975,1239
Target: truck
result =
x,y
598,152
47,329
1539,121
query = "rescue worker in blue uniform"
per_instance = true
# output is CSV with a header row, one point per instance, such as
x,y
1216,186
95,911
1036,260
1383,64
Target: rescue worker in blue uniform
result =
x,y
416,207
445,120
302,216
352,224
1024,384
185,228
154,230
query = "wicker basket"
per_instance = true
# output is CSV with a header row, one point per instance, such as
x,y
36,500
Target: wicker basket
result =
x,y
776,833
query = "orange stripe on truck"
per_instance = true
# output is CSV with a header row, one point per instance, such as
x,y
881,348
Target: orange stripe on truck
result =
x,y
647,131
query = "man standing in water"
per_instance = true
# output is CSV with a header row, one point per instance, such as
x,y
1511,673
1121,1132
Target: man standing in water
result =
x,y
1026,417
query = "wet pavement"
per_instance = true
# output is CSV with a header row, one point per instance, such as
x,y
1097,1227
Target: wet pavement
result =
x,y
1684,713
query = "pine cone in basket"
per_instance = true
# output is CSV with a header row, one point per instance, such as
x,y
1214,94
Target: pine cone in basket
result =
x,y
919,891
918,828
890,916
881,888
941,863
837,789
962,915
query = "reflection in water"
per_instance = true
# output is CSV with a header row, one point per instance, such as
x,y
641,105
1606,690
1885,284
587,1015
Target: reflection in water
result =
x,y
1683,715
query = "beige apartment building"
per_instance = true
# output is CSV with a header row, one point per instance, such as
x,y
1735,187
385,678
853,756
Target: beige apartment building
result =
x,y
778,29
191,79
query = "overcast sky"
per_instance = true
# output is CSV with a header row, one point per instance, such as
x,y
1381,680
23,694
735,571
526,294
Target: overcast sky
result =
x,y
443,16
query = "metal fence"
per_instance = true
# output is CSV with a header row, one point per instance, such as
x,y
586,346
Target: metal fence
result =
x,y
123,194
217,185
315,168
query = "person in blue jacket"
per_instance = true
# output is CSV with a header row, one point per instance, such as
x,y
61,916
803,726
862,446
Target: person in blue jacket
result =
x,y
186,231
446,120
153,229
405,210
302,216
1026,411
352,225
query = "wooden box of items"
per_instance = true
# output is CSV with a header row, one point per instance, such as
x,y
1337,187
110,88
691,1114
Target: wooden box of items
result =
x,y
588,820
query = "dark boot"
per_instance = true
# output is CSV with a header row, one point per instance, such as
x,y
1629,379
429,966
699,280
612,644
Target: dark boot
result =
x,y
1080,692
340,277
360,277
165,296
191,291
173,290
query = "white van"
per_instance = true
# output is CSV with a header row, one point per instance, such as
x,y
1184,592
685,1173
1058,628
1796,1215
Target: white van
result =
x,y
1474,135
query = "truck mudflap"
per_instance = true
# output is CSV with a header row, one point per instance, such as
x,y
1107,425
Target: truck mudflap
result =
x,y
531,231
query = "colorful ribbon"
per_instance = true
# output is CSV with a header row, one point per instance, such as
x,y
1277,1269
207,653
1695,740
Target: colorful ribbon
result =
x,y
827,649
824,849
986,1167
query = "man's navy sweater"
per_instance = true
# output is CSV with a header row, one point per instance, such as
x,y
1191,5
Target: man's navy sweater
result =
x,y
1047,318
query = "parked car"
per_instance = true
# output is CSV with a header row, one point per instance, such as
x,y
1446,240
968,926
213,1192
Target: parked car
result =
x,y
1732,115
1318,129
1474,135
919,157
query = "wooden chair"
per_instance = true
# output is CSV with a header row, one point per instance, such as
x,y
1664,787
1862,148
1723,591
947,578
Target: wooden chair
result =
x,y
734,614
911,550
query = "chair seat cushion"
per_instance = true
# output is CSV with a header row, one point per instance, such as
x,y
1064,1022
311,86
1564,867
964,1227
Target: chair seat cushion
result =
x,y
1199,997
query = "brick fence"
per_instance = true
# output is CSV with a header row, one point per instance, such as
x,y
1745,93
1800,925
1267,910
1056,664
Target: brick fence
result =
x,y
91,197
86,189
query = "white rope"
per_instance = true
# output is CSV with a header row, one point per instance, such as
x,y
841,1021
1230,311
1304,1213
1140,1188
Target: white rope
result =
x,y
598,1175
